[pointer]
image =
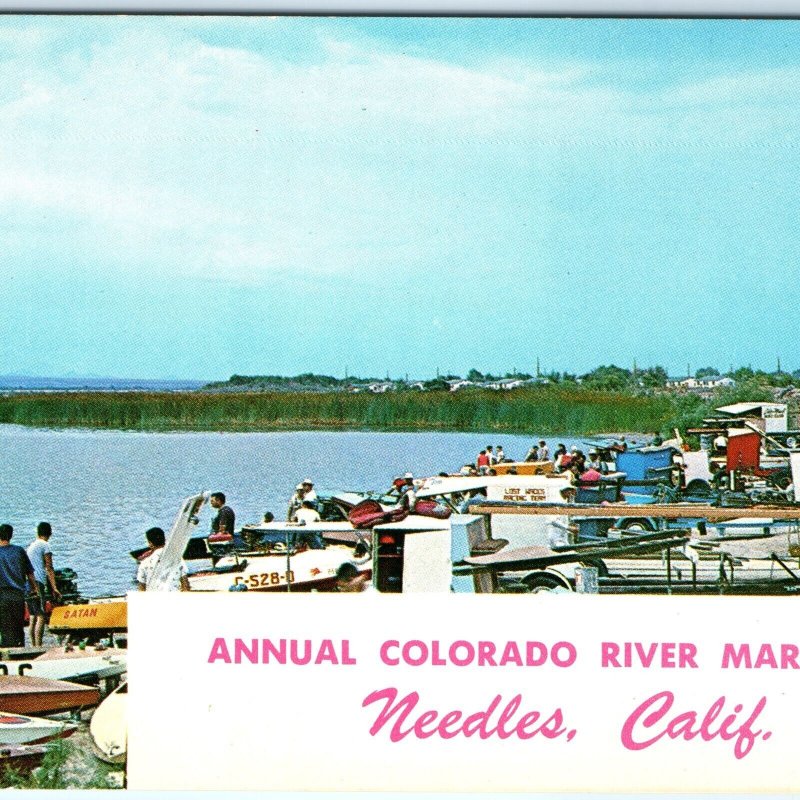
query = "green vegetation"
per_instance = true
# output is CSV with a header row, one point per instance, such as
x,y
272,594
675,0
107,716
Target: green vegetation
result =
x,y
551,409
63,767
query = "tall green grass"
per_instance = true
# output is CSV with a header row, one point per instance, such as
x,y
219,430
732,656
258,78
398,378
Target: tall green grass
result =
x,y
539,410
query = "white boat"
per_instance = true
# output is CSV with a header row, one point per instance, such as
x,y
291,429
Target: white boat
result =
x,y
108,727
18,729
279,558
71,665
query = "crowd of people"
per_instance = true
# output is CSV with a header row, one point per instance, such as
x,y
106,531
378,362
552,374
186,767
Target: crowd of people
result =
x,y
585,467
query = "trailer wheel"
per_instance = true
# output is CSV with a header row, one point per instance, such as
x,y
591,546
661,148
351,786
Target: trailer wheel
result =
x,y
698,487
598,564
637,524
543,583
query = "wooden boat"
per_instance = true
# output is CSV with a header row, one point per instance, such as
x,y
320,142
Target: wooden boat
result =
x,y
109,727
23,694
523,468
106,615
16,729
21,758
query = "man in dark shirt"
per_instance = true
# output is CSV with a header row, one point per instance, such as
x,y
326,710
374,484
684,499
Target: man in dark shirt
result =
x,y
15,570
225,519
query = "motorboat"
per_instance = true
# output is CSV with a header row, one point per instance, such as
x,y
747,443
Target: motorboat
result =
x,y
23,694
281,556
16,729
90,664
108,727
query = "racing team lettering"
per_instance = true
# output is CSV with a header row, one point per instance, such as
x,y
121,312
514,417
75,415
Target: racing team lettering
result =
x,y
529,495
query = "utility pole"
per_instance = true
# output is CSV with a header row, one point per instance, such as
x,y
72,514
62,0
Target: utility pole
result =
x,y
779,365
538,373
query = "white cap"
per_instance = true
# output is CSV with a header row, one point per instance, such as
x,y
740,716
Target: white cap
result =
x,y
408,475
299,486
574,448
308,482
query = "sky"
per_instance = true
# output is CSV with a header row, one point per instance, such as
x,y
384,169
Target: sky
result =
x,y
196,197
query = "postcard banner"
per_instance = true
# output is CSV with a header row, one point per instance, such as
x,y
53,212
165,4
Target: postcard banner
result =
x,y
463,693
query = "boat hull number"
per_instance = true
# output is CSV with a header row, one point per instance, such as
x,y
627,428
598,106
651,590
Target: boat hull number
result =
x,y
262,580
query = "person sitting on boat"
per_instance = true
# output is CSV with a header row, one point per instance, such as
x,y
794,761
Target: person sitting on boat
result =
x,y
532,454
720,445
306,514
175,582
590,475
225,520
596,463
499,455
482,462
559,456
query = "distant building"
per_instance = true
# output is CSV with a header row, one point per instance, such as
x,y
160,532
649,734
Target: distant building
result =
x,y
706,384
459,384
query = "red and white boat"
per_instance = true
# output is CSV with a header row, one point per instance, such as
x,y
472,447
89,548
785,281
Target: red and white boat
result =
x,y
16,729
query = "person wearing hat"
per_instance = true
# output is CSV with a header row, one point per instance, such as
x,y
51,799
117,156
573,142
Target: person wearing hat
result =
x,y
303,493
408,497
595,462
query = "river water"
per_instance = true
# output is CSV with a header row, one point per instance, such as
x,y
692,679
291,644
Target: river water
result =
x,y
101,490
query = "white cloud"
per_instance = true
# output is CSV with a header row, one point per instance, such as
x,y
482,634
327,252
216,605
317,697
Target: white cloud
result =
x,y
201,158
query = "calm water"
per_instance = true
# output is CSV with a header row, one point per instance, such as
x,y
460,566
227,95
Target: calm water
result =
x,y
102,489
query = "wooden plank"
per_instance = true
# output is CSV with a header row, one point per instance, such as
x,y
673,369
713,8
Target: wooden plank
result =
x,y
660,511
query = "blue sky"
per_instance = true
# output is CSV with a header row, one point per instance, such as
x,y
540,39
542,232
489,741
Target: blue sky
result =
x,y
196,197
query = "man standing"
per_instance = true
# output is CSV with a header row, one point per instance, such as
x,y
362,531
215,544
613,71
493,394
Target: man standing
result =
x,y
41,557
408,497
303,493
225,519
15,570
544,451
147,568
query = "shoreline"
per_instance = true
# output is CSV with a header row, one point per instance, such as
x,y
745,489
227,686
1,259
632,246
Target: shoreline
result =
x,y
614,434
524,412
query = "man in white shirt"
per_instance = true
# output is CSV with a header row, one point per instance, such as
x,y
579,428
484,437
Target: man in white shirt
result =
x,y
176,582
408,496
304,492
41,557
307,514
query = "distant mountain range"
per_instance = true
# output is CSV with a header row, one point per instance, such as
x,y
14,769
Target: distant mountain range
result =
x,y
30,382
